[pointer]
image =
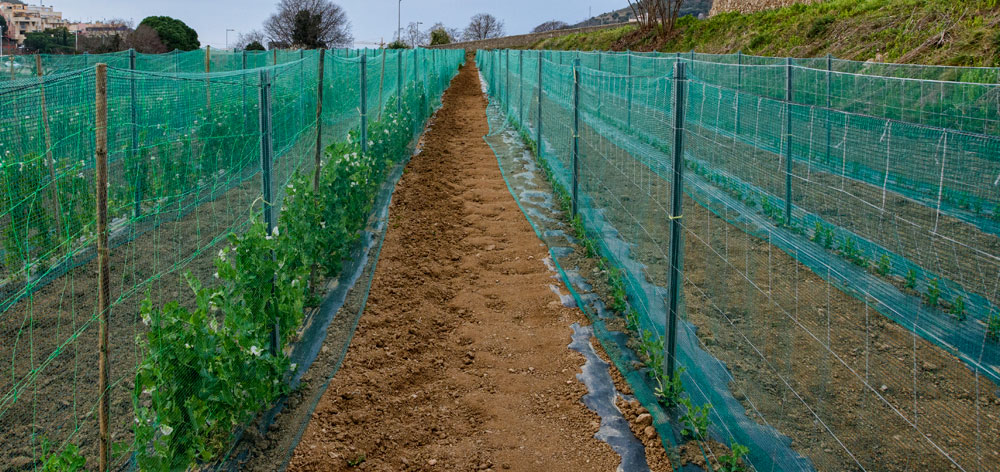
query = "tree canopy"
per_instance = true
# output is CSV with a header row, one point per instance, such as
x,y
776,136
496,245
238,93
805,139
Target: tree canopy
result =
x,y
173,33
254,46
483,26
50,41
309,23
552,25
440,36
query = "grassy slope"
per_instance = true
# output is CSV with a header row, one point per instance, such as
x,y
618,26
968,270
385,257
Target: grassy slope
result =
x,y
948,32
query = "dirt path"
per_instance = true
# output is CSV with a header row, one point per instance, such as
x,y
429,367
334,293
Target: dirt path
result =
x,y
460,361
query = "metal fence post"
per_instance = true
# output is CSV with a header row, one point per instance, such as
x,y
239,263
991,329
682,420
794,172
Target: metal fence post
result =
x,y
676,209
506,84
576,134
628,99
788,141
538,125
520,88
243,87
135,136
208,85
103,271
739,87
49,157
829,101
319,119
364,103
266,147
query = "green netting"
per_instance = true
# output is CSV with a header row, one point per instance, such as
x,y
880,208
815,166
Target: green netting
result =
x,y
184,173
859,332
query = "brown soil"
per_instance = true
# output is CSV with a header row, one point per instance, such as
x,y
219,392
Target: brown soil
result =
x,y
460,361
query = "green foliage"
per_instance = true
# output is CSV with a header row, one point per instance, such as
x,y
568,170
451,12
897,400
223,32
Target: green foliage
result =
x,y
397,44
733,462
255,46
669,391
911,279
173,33
618,296
69,459
884,265
307,29
820,26
993,326
823,235
440,36
652,346
200,378
933,293
850,251
694,421
3,26
358,460
50,41
958,309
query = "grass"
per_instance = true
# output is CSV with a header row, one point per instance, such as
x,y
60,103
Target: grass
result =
x,y
944,32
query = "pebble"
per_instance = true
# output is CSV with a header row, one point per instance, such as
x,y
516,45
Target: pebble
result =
x,y
432,462
644,419
883,388
649,432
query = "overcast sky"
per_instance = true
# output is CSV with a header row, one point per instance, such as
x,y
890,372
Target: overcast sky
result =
x,y
371,20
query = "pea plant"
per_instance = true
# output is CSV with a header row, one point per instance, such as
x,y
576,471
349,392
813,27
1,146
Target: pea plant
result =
x,y
733,461
695,420
993,326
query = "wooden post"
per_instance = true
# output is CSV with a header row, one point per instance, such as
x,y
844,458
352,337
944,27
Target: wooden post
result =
x,y
319,120
49,159
103,272
381,86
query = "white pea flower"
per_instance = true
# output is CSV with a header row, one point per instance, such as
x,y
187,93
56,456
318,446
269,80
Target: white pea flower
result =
x,y
187,346
216,275
274,232
145,319
294,366
166,430
255,351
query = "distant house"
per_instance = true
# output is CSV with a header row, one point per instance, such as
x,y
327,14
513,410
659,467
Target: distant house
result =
x,y
23,19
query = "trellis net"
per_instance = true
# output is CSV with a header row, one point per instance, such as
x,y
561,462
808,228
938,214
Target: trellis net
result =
x,y
185,171
860,329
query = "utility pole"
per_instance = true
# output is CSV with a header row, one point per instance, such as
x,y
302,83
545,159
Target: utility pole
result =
x,y
399,21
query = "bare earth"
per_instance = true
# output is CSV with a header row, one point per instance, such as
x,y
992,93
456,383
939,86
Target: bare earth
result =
x,y
460,361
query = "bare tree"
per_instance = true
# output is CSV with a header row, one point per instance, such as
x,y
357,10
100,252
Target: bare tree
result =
x,y
333,27
146,40
245,39
483,26
550,26
414,37
660,14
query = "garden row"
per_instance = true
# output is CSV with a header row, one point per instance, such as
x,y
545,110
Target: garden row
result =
x,y
231,197
779,327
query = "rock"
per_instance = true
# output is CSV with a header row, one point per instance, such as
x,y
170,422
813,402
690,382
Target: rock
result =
x,y
884,388
405,461
649,432
930,366
432,462
644,419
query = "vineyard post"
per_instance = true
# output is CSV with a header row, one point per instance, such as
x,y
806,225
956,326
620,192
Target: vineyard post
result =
x,y
103,271
538,125
208,85
243,86
49,159
520,87
399,83
265,167
788,141
364,103
739,87
423,86
829,101
676,207
381,86
506,83
599,69
275,57
135,135
576,134
628,99
319,119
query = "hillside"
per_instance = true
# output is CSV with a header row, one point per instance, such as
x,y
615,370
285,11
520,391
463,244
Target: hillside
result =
x,y
946,32
689,7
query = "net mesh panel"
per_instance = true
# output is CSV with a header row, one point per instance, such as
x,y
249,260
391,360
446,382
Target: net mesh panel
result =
x,y
860,333
184,171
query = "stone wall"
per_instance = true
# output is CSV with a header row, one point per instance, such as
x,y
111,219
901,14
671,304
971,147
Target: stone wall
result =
x,y
750,6
522,40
